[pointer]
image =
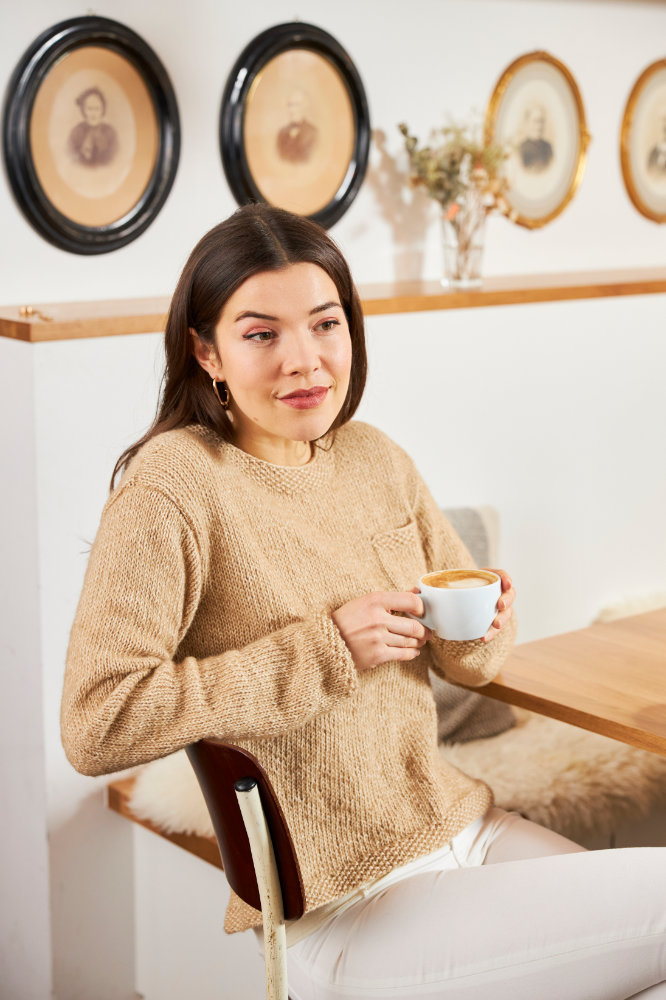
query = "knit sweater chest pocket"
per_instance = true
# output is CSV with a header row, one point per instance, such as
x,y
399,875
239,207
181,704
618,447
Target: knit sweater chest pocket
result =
x,y
401,555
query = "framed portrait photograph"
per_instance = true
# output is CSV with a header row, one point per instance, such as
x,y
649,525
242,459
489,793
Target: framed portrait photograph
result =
x,y
91,135
294,123
536,112
643,143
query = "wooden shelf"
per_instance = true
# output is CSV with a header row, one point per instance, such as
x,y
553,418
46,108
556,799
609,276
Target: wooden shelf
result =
x,y
72,320
417,296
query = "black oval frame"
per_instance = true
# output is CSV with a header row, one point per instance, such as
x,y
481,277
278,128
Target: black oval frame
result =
x,y
263,48
54,43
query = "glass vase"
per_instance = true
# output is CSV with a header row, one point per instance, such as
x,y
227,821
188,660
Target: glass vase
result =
x,y
463,231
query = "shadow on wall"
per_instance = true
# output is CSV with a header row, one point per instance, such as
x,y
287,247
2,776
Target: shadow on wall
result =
x,y
406,210
92,903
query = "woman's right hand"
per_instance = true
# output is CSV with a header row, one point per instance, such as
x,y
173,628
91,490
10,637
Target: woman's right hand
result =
x,y
375,634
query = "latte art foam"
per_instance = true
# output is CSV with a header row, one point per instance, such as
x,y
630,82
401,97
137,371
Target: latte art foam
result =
x,y
459,579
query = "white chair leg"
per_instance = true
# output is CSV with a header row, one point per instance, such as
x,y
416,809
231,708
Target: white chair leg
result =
x,y
270,894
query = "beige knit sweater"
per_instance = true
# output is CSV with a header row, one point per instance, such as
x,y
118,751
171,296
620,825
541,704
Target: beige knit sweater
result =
x,y
206,611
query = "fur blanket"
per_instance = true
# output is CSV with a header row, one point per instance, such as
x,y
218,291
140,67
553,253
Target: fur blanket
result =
x,y
577,783
167,793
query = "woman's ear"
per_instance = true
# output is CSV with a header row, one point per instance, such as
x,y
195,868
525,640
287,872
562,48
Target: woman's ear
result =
x,y
206,355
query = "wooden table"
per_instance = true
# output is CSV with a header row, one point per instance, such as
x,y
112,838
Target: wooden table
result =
x,y
608,678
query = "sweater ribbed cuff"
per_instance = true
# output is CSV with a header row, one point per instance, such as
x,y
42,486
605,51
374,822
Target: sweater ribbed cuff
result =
x,y
472,663
342,674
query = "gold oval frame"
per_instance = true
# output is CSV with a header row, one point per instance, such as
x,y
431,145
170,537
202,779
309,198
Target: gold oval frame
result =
x,y
625,158
583,135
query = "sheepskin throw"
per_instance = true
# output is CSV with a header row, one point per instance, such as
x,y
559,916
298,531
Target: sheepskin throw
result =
x,y
572,781
167,793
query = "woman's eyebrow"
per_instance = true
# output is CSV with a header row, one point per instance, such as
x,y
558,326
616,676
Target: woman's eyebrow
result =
x,y
250,314
324,307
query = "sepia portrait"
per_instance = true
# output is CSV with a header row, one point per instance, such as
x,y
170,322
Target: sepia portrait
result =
x,y
92,135
299,131
536,112
297,138
93,142
536,152
643,143
294,128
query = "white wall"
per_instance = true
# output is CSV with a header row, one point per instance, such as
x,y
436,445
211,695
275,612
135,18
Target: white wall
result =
x,y
24,869
419,63
92,395
554,413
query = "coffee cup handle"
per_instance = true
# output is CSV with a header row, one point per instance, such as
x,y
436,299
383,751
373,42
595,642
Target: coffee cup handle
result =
x,y
425,619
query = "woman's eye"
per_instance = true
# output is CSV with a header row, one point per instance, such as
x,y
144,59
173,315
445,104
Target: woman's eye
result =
x,y
261,336
328,325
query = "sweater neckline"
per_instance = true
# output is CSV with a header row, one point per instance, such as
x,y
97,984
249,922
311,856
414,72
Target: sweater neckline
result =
x,y
284,479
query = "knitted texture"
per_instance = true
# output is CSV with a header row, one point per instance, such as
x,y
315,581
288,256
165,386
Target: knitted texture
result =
x,y
206,611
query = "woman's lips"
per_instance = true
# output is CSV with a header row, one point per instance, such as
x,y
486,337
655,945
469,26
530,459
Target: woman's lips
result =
x,y
305,399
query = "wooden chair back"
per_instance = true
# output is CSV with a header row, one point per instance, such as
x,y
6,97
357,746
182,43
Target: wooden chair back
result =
x,y
218,766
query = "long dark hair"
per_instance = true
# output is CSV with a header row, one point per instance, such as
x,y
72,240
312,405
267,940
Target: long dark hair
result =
x,y
255,238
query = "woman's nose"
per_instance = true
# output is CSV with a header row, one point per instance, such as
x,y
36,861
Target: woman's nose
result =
x,y
301,354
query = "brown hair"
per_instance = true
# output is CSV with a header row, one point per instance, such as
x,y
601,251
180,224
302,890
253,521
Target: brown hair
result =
x,y
255,238
83,97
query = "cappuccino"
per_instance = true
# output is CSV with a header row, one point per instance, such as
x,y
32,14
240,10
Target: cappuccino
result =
x,y
459,579
459,604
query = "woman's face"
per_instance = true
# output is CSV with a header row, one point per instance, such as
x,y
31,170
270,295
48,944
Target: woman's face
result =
x,y
284,351
93,109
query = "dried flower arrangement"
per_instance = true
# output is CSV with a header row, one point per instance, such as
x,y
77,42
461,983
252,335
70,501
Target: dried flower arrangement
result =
x,y
460,163
464,174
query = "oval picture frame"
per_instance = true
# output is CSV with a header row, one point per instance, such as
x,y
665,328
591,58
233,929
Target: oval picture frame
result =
x,y
91,135
643,142
294,123
536,111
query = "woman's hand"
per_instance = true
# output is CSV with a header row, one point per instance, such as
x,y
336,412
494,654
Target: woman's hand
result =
x,y
375,634
504,609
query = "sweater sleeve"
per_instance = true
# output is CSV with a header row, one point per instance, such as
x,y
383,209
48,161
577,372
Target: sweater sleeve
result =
x,y
126,700
471,663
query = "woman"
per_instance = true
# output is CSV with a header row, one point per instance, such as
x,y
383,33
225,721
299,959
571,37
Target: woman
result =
x,y
93,142
251,579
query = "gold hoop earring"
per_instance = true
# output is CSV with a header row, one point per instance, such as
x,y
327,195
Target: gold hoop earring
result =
x,y
224,403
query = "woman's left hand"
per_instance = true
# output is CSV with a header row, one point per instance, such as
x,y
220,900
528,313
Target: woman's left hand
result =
x,y
504,609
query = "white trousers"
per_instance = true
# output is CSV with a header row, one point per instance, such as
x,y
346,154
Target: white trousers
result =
x,y
515,913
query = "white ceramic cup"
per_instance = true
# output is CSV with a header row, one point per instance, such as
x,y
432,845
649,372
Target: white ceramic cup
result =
x,y
460,610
